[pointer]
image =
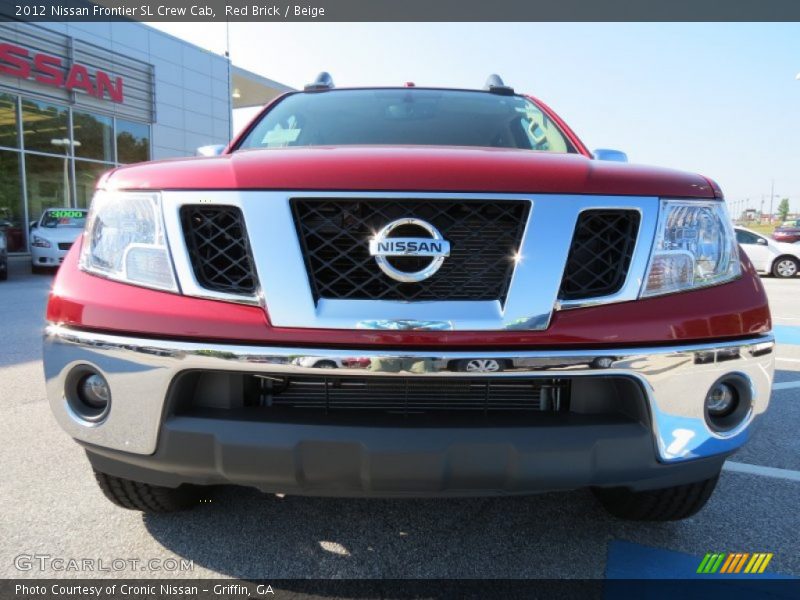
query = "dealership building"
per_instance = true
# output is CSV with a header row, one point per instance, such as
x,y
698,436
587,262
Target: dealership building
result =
x,y
79,98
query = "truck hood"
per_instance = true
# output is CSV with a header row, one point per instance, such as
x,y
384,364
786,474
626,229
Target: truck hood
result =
x,y
433,169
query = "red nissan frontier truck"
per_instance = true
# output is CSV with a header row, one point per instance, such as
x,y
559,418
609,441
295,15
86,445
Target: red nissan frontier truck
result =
x,y
404,292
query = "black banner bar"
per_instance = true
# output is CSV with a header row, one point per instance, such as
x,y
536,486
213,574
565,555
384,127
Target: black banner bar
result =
x,y
401,10
730,588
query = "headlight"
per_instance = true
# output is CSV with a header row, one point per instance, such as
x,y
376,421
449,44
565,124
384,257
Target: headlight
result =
x,y
125,240
40,242
694,247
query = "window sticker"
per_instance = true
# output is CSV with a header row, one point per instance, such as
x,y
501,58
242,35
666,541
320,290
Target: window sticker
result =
x,y
66,214
281,137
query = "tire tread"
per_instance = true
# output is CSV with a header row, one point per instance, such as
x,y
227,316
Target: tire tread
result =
x,y
135,495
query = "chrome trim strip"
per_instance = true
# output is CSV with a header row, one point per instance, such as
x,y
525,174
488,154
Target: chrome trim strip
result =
x,y
532,296
675,379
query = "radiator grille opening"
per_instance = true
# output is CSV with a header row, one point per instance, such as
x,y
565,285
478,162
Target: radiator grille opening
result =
x,y
216,239
355,399
484,237
408,395
600,254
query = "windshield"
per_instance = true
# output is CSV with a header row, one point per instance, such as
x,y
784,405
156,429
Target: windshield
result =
x,y
63,217
409,116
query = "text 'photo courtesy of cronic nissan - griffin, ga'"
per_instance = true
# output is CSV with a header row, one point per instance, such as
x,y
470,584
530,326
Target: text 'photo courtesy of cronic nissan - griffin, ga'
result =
x,y
407,292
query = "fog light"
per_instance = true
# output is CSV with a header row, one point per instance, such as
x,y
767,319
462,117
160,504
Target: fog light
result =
x,y
728,403
88,394
721,400
93,390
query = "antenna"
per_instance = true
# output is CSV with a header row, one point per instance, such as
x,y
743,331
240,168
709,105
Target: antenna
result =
x,y
323,82
495,85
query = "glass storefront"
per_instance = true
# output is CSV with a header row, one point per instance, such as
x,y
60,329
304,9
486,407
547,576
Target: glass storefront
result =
x,y
51,155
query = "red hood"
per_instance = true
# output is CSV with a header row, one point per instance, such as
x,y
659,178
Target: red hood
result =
x,y
409,169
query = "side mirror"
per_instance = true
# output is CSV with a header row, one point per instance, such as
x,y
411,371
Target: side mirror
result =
x,y
212,150
31,225
762,242
612,155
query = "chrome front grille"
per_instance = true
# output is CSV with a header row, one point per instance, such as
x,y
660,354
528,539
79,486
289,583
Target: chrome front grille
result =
x,y
484,237
287,251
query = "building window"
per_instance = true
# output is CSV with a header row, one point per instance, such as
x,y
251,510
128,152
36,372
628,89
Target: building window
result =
x,y
47,180
9,131
133,142
12,211
45,126
93,136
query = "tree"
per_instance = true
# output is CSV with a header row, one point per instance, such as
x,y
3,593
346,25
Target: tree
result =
x,y
783,210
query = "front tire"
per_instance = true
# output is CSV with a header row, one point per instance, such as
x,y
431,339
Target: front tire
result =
x,y
666,504
785,267
147,498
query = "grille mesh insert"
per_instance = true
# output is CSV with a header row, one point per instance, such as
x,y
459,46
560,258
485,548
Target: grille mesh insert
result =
x,y
600,255
218,247
484,235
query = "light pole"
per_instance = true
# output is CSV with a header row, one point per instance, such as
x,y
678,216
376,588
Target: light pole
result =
x,y
66,143
771,198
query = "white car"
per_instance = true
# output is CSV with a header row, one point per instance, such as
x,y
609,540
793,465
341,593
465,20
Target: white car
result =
x,y
768,256
53,235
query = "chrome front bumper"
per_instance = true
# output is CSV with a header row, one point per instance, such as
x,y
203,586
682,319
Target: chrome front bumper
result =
x,y
675,380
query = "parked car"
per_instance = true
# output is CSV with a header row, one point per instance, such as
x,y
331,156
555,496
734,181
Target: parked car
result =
x,y
422,228
3,256
53,235
768,256
788,232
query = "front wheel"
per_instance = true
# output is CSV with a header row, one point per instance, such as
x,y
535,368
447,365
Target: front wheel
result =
x,y
665,504
785,267
135,495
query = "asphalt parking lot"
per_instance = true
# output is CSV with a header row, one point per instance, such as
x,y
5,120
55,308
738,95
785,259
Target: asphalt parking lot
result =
x,y
50,504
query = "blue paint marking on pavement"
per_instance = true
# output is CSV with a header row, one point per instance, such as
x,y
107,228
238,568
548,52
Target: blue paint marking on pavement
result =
x,y
787,334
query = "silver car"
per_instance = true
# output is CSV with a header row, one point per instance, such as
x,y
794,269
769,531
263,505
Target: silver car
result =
x,y
53,235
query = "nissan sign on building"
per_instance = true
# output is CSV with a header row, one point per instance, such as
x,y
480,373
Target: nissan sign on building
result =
x,y
78,99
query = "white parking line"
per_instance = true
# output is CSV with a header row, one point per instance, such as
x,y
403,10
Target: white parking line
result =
x,y
786,385
747,468
791,360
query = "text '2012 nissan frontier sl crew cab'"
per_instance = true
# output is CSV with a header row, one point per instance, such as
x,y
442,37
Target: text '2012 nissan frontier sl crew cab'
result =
x,y
408,291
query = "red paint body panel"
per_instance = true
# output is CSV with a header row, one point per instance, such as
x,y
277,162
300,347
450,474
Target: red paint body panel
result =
x,y
429,169
728,311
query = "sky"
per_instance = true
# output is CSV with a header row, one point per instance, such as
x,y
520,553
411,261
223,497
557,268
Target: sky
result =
x,y
721,99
